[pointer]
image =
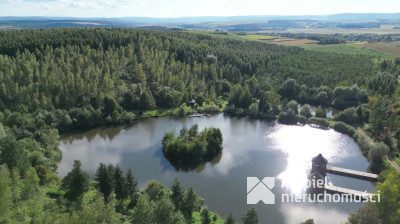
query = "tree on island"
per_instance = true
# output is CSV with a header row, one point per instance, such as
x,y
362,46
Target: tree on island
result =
x,y
191,147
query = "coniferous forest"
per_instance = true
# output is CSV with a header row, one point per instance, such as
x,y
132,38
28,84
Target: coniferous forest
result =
x,y
60,80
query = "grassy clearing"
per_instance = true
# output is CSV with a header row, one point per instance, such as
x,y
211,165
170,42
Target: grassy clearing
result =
x,y
259,37
221,35
347,48
232,36
293,42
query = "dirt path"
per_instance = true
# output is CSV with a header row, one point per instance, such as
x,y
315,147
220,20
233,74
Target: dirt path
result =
x,y
371,142
397,167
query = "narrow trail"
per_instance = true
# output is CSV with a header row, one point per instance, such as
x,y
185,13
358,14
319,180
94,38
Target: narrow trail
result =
x,y
397,167
371,142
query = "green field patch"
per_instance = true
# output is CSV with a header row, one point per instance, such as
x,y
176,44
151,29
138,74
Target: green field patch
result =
x,y
347,48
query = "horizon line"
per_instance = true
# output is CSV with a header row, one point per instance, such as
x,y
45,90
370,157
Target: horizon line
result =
x,y
215,16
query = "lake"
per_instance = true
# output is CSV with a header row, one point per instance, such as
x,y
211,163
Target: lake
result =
x,y
252,148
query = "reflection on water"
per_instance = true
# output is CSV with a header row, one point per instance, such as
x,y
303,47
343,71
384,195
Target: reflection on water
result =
x,y
302,143
251,148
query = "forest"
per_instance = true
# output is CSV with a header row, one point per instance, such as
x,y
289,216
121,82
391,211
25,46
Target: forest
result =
x,y
60,80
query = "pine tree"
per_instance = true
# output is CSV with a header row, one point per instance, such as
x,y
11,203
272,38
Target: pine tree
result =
x,y
132,186
229,219
190,204
250,217
245,98
205,216
120,184
76,182
164,212
177,194
147,100
143,213
104,181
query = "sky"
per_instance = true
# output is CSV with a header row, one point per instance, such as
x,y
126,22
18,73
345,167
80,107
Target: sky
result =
x,y
191,8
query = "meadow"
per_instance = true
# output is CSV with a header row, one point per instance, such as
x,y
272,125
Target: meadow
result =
x,y
379,50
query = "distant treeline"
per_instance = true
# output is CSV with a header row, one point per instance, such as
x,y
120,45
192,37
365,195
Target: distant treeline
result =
x,y
368,37
359,25
338,38
321,38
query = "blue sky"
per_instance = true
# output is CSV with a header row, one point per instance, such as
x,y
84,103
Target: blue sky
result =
x,y
184,8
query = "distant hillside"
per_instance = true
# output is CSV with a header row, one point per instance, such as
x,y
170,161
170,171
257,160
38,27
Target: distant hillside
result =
x,y
234,23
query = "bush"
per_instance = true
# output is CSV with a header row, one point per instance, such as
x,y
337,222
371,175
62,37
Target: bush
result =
x,y
127,117
306,111
301,119
182,111
55,193
230,109
376,155
344,128
348,116
209,109
365,146
366,214
288,117
293,105
253,110
319,122
349,96
321,112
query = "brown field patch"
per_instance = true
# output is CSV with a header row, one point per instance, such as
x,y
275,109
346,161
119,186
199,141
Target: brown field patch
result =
x,y
290,41
392,48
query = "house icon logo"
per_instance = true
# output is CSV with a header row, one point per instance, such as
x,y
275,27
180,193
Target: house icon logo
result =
x,y
260,190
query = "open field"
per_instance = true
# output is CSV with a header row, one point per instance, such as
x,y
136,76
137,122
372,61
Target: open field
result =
x,y
348,48
392,48
290,41
378,50
217,34
259,37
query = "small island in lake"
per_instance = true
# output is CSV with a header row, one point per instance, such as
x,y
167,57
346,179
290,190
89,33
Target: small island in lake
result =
x,y
192,148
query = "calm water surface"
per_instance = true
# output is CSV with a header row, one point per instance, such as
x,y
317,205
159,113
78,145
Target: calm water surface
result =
x,y
252,148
